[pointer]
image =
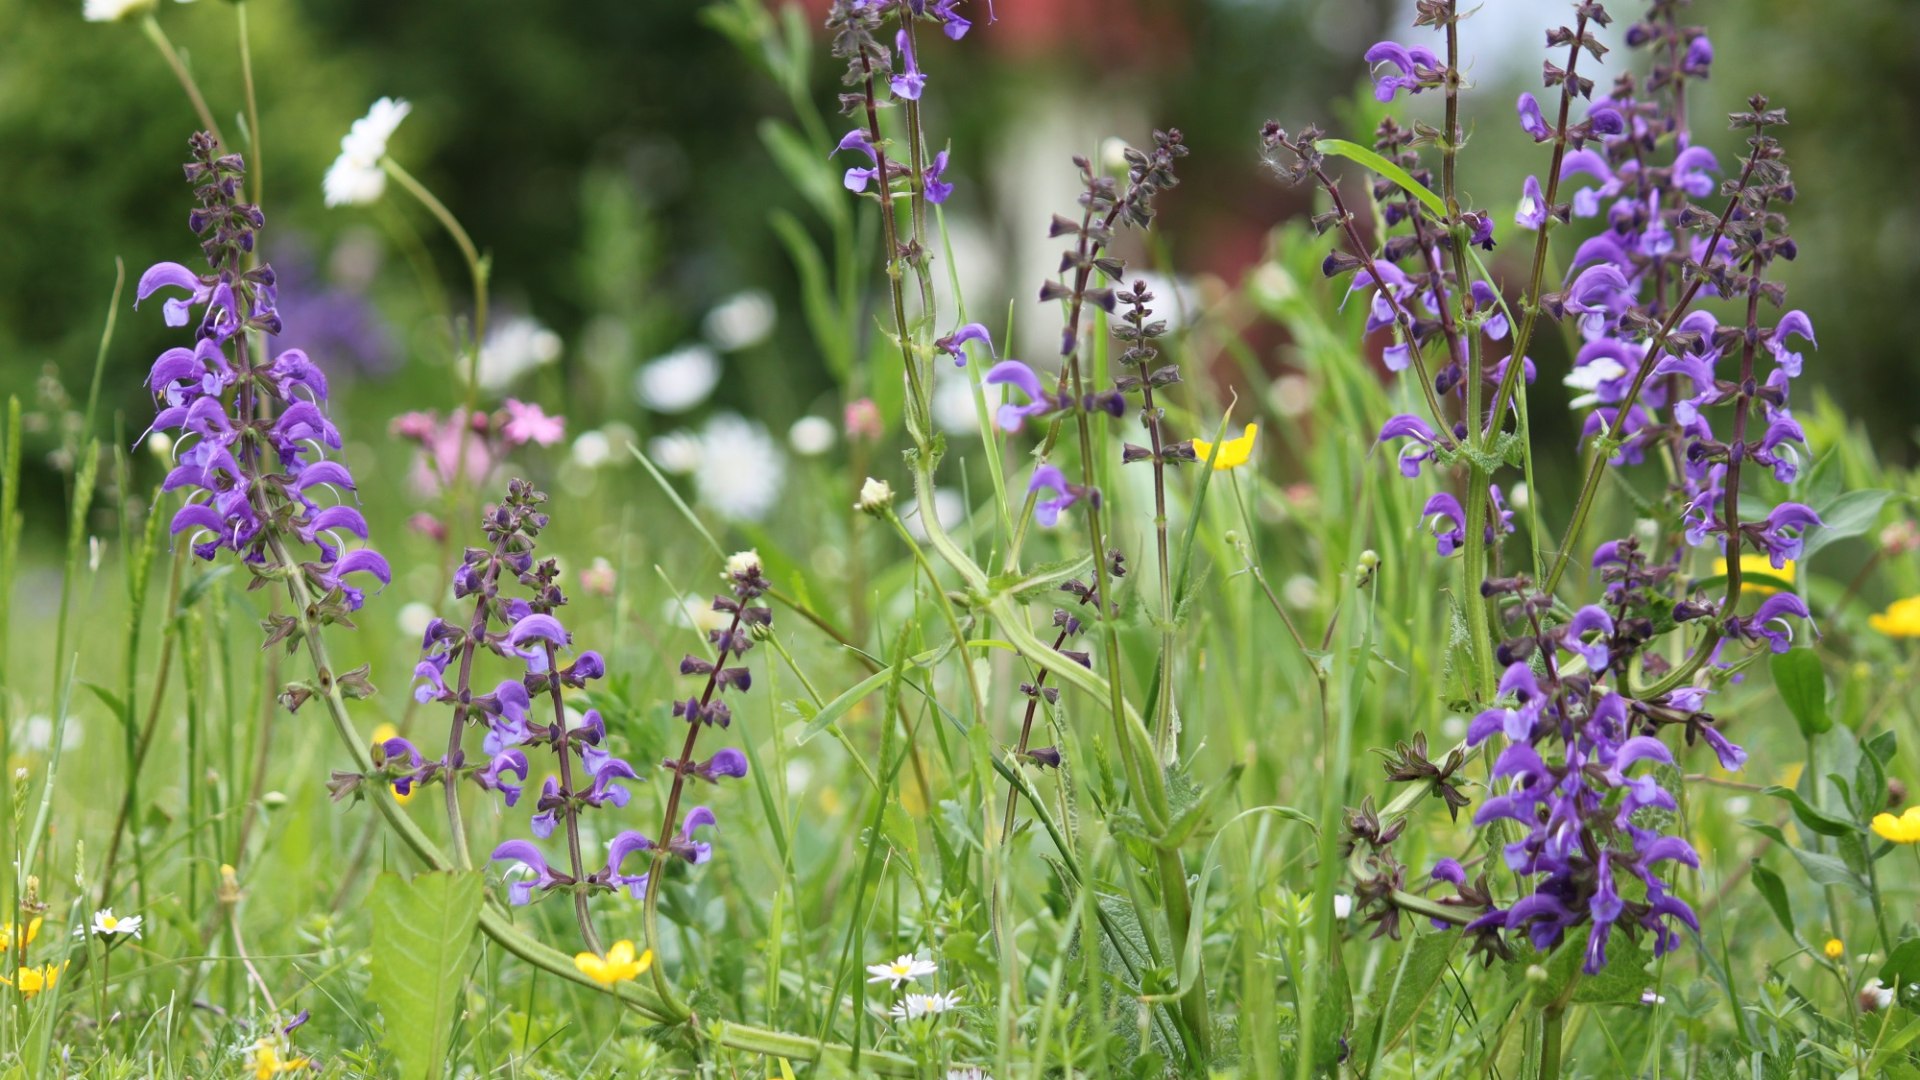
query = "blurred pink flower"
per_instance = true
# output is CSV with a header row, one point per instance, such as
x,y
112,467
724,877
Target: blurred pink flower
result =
x,y
442,444
863,420
527,423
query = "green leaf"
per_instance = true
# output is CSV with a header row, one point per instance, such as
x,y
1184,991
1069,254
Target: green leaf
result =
x,y
1803,686
1812,816
1849,515
423,943
1356,152
1775,892
808,170
1903,964
1399,998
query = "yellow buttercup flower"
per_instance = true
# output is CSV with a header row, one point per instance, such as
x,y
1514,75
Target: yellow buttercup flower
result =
x,y
1834,948
619,965
381,734
8,929
267,1061
31,980
1233,453
1904,829
1757,564
1901,619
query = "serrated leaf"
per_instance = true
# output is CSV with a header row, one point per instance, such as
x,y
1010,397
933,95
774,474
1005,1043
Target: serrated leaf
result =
x,y
1803,686
423,943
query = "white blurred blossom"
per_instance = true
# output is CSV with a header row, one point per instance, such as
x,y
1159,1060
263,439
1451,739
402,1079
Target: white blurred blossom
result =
x,y
740,321
356,177
115,10
811,436
947,503
740,468
515,346
677,381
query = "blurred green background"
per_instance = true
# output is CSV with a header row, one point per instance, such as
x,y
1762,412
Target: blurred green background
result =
x,y
608,155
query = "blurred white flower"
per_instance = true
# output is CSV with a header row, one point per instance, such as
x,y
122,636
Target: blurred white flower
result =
x,y
1301,591
741,562
1520,497
591,450
115,10
875,496
160,445
740,470
946,503
1342,905
677,381
1291,395
1648,997
678,452
356,177
39,734
414,618
811,436
695,613
953,410
740,321
514,346
915,1006
599,578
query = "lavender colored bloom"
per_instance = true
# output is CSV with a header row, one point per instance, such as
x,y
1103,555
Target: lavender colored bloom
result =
x,y
526,854
856,179
1418,69
1532,213
1425,441
954,344
1050,478
1531,121
1769,622
937,190
1010,416
1775,539
1448,522
249,476
909,82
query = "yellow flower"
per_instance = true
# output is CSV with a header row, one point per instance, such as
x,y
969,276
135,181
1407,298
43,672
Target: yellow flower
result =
x,y
8,929
1834,948
31,980
1904,829
381,734
619,965
1233,453
1758,564
266,1061
1901,619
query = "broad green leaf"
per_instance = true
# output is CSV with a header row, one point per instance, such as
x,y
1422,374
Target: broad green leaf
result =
x,y
1849,515
1399,996
1812,816
1775,892
1903,965
423,943
1803,686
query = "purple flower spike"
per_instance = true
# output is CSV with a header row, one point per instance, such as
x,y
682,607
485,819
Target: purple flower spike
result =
x,y
909,82
1531,121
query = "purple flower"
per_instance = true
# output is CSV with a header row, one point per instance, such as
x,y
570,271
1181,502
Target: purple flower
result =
x,y
1531,121
1010,416
725,762
622,846
909,82
1780,544
1769,621
1449,523
856,179
1532,213
1586,201
494,776
527,855
952,23
1418,69
937,191
1050,478
1425,441
1699,57
952,344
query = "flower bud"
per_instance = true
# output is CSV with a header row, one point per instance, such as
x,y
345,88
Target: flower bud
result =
x,y
876,497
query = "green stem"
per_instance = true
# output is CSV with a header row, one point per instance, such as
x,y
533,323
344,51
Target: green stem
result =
x,y
1551,1024
172,56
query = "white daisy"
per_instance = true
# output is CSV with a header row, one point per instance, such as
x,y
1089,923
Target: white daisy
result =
x,y
115,10
356,177
741,468
904,969
740,321
678,381
811,436
106,925
915,1006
